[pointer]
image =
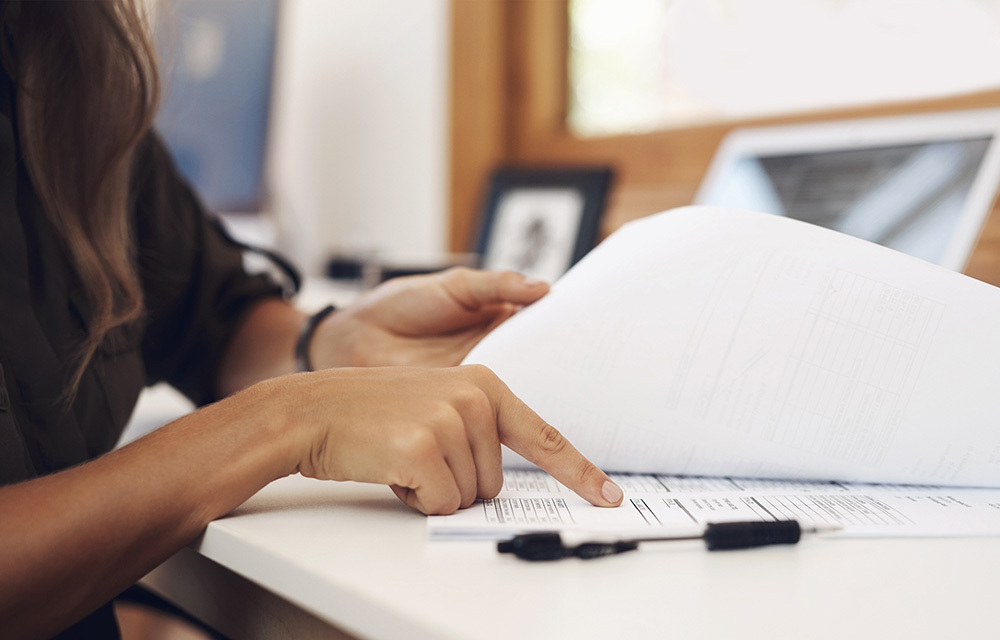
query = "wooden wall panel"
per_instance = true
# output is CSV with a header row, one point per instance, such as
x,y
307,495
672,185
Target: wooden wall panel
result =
x,y
478,109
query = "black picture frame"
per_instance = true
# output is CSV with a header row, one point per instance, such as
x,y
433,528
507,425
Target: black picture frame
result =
x,y
541,221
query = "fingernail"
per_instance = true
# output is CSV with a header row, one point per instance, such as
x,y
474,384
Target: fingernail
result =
x,y
611,492
533,282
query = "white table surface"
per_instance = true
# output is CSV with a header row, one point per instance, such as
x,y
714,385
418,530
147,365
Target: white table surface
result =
x,y
352,555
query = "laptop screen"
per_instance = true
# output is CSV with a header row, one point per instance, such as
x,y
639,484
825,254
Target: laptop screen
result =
x,y
908,197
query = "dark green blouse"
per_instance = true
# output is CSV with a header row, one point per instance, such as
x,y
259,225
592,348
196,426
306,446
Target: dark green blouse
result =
x,y
195,290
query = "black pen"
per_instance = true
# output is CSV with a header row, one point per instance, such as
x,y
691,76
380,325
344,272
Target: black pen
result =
x,y
718,536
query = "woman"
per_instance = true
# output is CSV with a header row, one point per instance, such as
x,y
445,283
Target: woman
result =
x,y
110,277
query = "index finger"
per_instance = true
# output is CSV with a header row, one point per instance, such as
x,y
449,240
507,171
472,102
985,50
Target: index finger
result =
x,y
525,432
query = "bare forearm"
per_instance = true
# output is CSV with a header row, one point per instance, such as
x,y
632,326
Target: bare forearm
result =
x,y
263,347
71,541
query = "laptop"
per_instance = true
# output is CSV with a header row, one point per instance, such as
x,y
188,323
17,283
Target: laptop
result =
x,y
921,184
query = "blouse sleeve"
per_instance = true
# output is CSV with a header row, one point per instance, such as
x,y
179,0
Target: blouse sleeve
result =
x,y
196,289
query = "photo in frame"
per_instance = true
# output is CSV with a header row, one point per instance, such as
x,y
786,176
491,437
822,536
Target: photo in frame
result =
x,y
540,222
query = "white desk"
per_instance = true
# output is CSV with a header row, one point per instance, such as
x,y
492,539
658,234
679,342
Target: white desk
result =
x,y
354,557
303,555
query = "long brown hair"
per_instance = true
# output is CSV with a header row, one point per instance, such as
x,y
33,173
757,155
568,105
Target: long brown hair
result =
x,y
86,93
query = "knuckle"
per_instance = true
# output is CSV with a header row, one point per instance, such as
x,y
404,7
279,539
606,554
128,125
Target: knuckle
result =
x,y
403,477
464,394
458,272
471,398
444,504
446,419
511,278
451,505
490,487
550,441
480,373
422,441
468,500
417,444
586,474
456,278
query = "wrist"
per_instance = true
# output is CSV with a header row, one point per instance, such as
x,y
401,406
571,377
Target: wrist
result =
x,y
339,341
288,411
303,346
269,418
218,456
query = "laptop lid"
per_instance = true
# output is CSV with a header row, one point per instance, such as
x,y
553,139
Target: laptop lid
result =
x,y
921,184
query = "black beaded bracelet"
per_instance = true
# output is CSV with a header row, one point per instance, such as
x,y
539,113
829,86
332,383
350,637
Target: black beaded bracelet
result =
x,y
302,360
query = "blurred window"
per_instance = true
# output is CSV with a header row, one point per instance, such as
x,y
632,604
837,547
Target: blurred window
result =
x,y
216,62
642,65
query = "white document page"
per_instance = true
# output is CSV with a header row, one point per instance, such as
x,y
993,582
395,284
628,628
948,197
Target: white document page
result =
x,y
534,501
716,342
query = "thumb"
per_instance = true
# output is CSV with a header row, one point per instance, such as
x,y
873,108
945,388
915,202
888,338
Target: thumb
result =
x,y
474,289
